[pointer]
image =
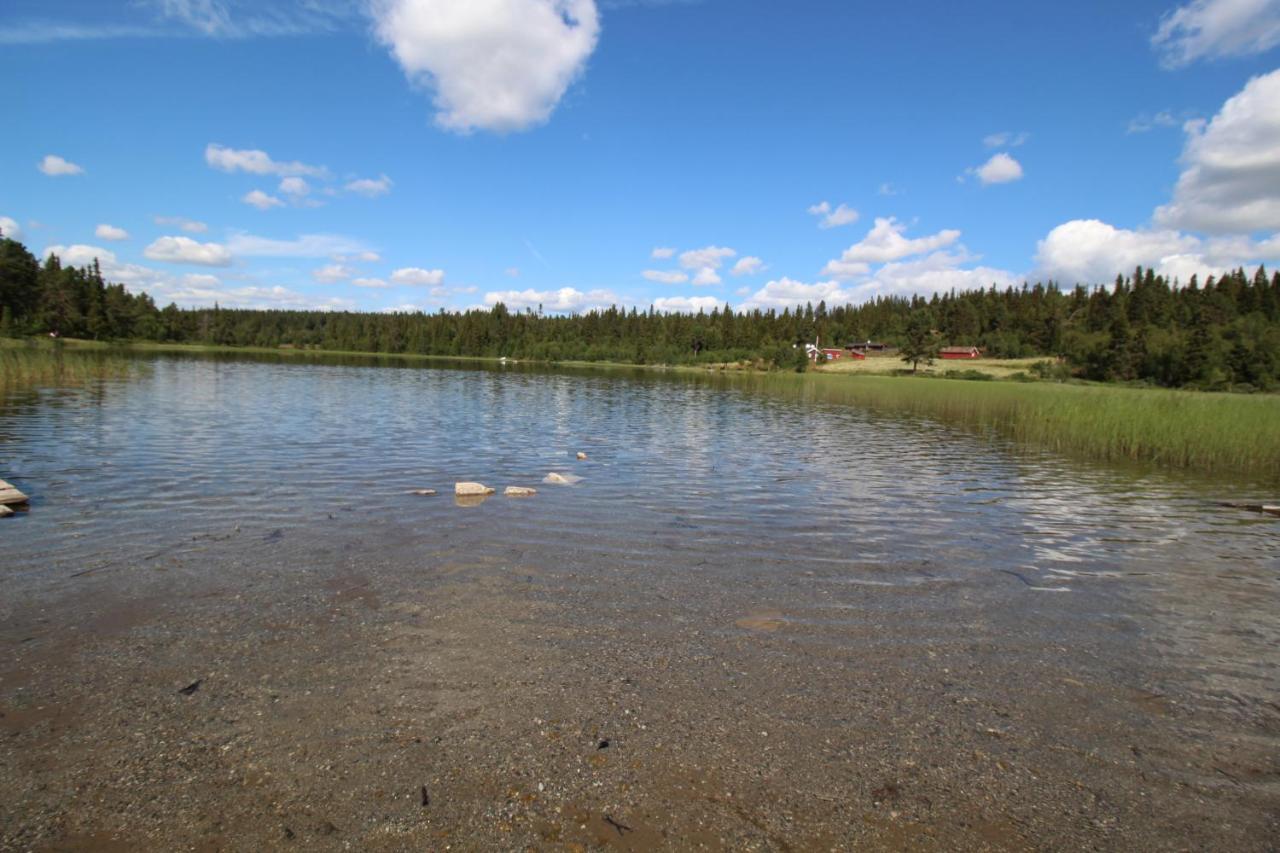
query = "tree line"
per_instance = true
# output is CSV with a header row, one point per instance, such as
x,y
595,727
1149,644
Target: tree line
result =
x,y
1222,333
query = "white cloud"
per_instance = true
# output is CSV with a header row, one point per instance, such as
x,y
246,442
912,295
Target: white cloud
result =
x,y
833,217
184,250
1210,29
369,187
1088,251
1000,169
512,272
248,18
665,276
706,276
305,246
110,232
294,186
748,266
884,243
686,304
1145,122
261,200
368,257
333,273
418,276
564,300
10,228
376,283
256,162
191,226
1231,176
499,65
662,253
54,166
710,257
888,189
1006,139
786,293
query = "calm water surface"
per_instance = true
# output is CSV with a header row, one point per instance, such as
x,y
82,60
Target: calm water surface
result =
x,y
692,477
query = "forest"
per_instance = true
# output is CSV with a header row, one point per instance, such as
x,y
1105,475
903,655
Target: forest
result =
x,y
1219,334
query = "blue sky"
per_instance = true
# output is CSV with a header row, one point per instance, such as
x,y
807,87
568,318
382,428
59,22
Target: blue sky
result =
x,y
573,153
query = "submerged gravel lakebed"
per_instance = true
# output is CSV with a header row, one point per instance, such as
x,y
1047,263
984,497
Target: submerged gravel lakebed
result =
x,y
889,637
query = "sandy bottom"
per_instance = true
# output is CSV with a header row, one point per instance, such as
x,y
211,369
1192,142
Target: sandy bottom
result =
x,y
487,698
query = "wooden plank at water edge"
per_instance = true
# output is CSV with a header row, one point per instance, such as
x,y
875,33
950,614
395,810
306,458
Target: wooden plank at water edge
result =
x,y
10,495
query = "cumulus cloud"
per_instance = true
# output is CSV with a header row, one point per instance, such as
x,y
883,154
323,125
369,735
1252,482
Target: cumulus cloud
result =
x,y
565,300
191,226
1088,251
747,266
833,217
370,187
305,246
184,250
55,167
686,304
784,293
885,243
1000,169
662,253
375,283
706,276
1006,139
1231,176
666,276
500,65
261,200
418,276
710,257
10,228
333,273
256,162
1210,29
110,232
294,187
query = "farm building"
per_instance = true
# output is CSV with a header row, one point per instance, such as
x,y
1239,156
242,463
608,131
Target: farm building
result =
x,y
832,354
867,346
960,352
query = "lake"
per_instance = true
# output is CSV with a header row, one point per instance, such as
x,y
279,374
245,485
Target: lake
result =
x,y
763,619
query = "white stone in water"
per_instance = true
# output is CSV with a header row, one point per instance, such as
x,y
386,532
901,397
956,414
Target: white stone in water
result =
x,y
471,489
519,492
581,455
561,479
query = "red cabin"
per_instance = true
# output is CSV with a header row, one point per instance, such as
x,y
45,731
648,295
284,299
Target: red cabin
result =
x,y
950,353
832,354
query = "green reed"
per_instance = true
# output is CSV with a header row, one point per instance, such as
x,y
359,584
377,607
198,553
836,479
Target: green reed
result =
x,y
1223,433
26,364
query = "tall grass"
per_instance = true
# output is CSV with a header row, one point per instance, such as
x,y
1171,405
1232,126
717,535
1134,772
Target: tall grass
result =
x,y
25,364
1214,433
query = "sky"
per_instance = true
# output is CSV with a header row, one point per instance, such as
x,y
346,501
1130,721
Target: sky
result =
x,y
387,155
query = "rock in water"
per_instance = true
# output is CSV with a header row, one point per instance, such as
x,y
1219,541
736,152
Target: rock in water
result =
x,y
581,455
519,492
561,479
5,512
422,492
467,490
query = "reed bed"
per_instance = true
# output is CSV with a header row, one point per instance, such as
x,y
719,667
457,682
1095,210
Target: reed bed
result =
x,y
25,365
1214,433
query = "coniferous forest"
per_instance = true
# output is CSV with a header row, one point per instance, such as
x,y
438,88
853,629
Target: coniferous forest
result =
x,y
1221,333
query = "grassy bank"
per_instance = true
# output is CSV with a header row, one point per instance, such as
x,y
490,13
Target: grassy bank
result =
x,y
1216,433
33,364
996,368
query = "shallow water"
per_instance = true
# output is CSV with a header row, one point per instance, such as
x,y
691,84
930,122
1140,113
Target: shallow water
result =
x,y
694,488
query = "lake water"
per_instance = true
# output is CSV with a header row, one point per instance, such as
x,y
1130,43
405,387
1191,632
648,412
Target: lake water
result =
x,y
718,518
